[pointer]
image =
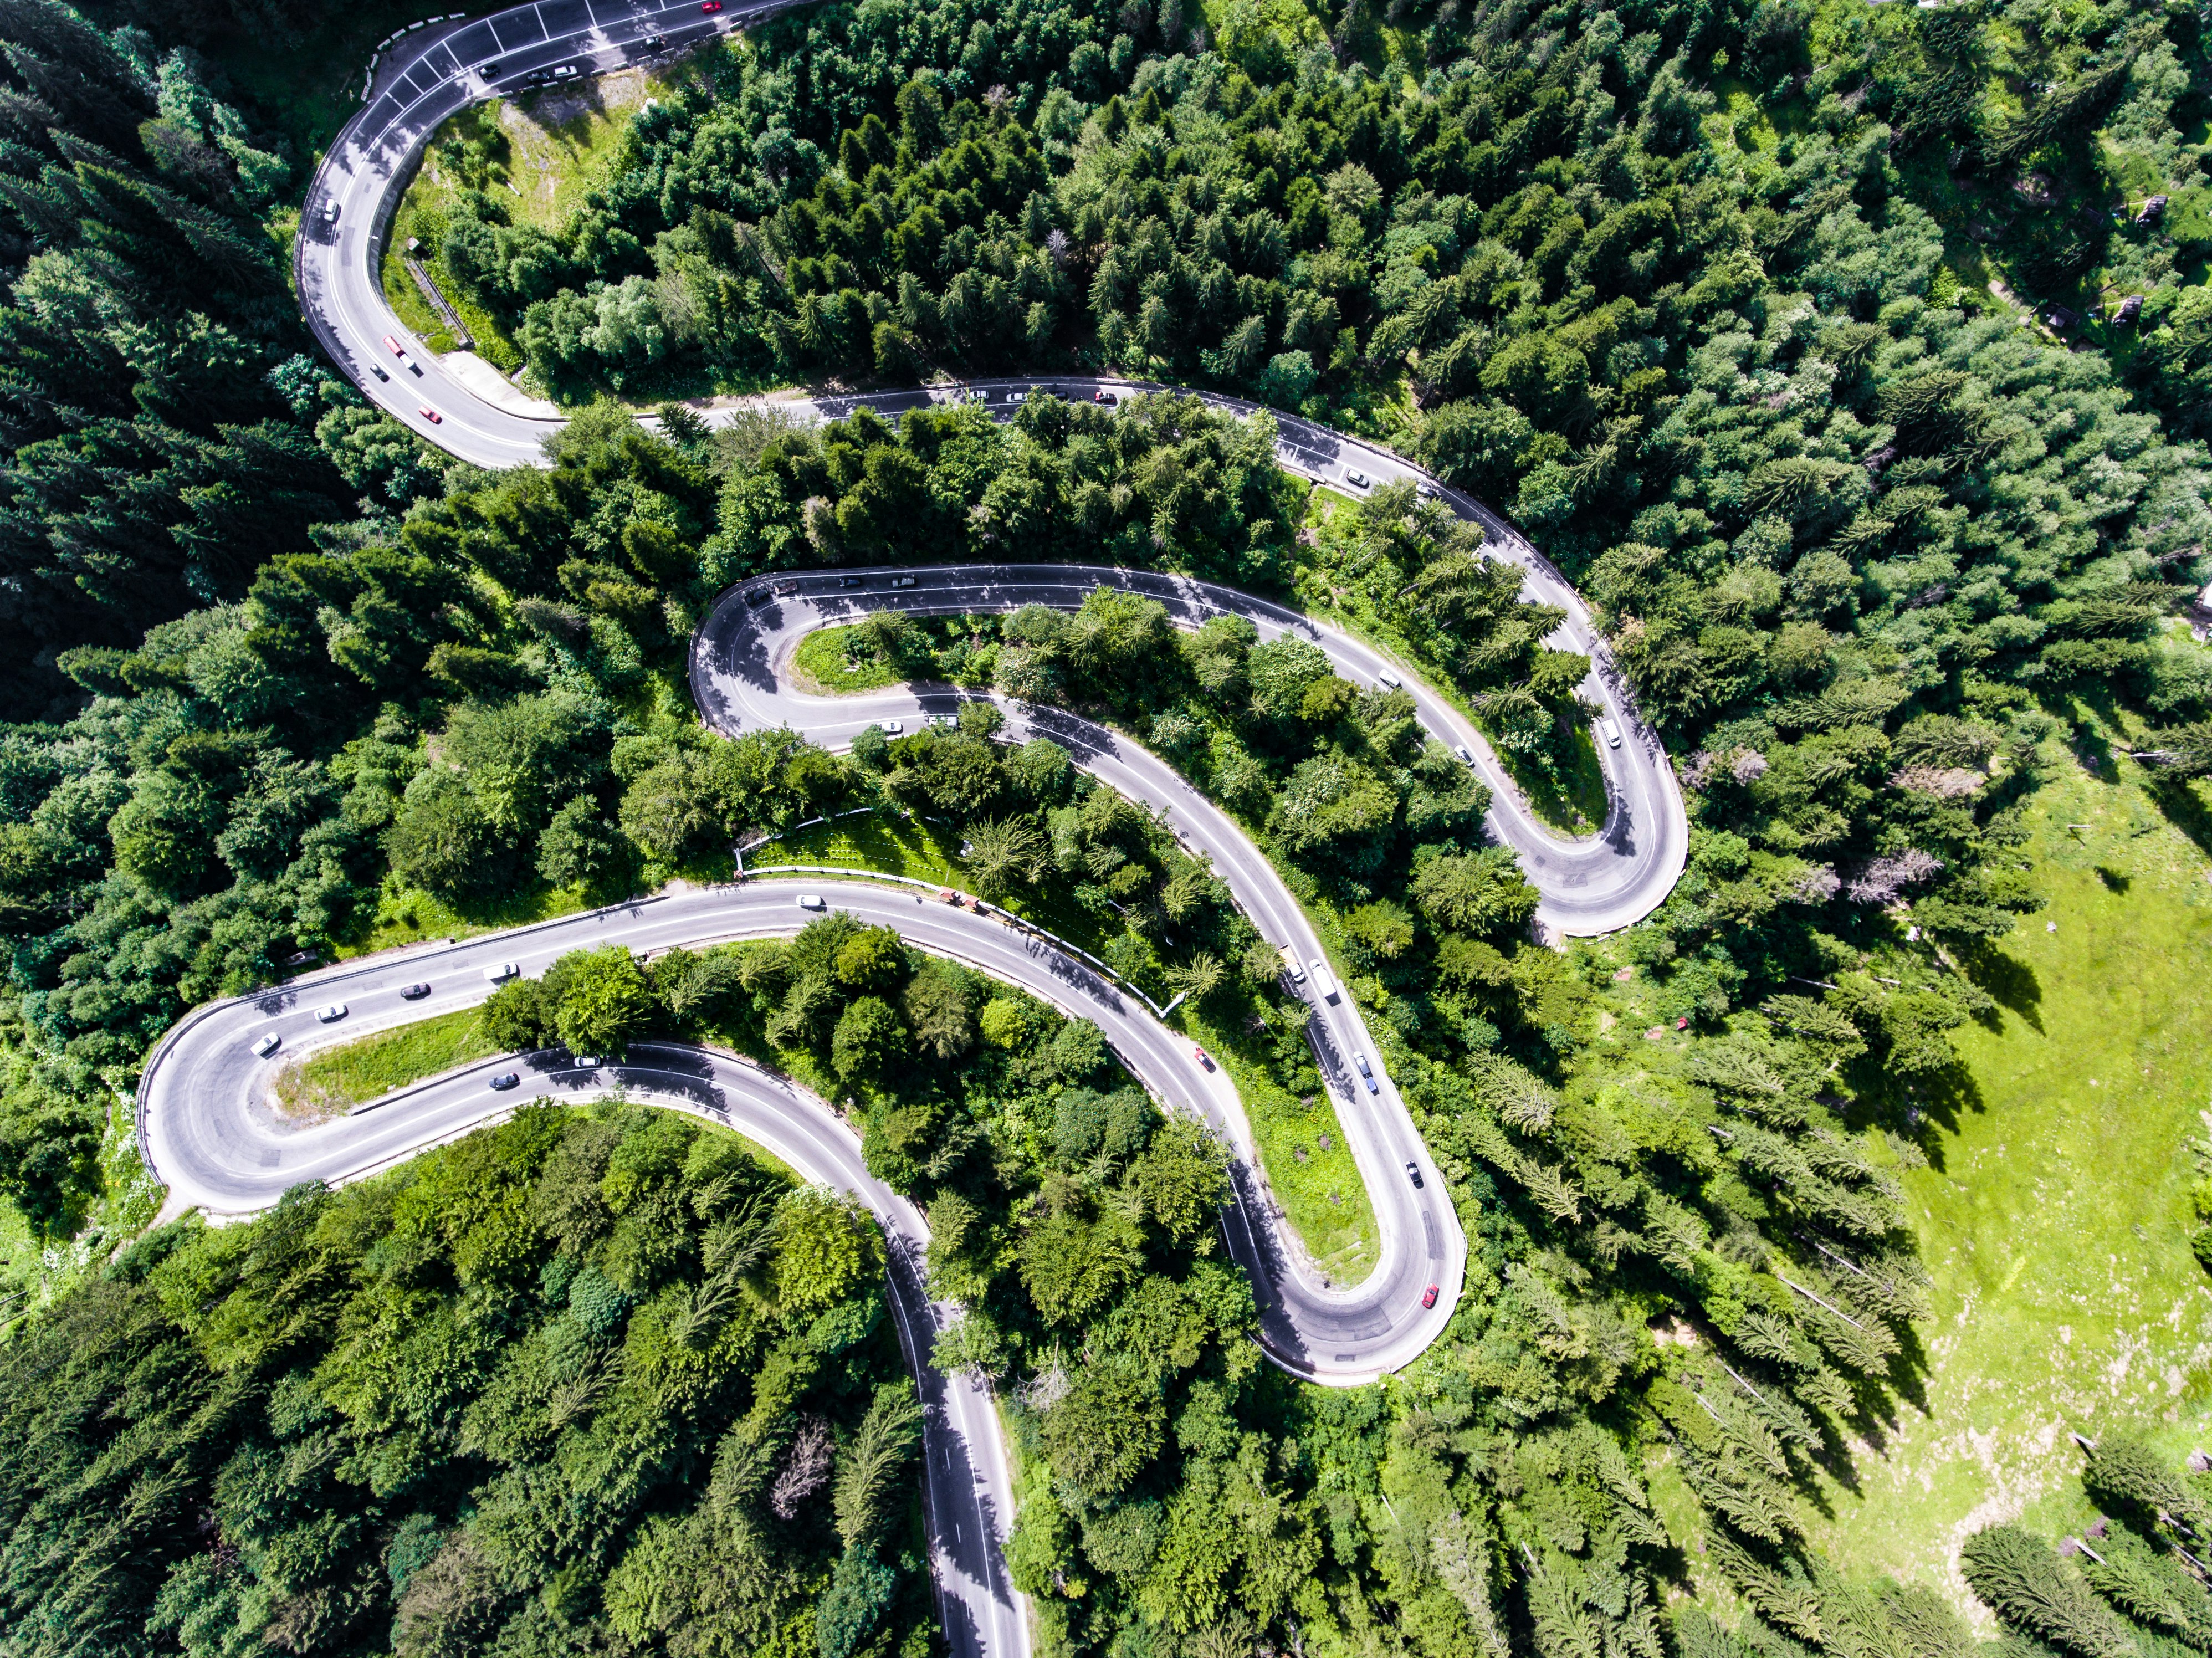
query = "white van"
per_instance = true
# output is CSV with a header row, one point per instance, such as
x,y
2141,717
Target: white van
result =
x,y
813,900
1390,680
500,972
1612,734
1324,986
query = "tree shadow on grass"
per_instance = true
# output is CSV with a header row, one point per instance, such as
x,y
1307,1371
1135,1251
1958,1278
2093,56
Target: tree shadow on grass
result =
x,y
1921,1107
2011,983
2179,804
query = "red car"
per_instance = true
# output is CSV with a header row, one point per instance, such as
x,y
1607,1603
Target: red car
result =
x,y
1202,1056
1104,396
432,415
1429,1297
710,5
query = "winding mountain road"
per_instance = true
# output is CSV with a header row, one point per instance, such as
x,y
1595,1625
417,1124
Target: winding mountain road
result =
x,y
209,1135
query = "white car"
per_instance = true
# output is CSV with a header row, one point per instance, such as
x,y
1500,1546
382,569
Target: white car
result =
x,y
1465,753
1390,680
268,1044
331,1014
1612,734
1290,965
500,972
942,722
813,900
1017,397
1356,480
902,582
892,727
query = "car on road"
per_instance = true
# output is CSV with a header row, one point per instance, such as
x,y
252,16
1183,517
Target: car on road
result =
x,y
1290,965
562,72
1390,681
431,415
758,597
1367,1076
851,581
584,1061
892,727
1427,491
1414,1174
1202,1056
1612,734
813,900
1465,753
1017,397
395,347
944,722
331,1014
655,42
505,1080
902,582
377,369
268,1044
330,212
1103,396
500,972
1429,1297
415,992
1324,986
710,6
785,589
1356,480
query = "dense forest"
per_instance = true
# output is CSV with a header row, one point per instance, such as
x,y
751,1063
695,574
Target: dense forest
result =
x,y
1804,337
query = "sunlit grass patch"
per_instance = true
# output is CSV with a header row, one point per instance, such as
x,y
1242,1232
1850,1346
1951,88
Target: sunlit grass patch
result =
x,y
331,1081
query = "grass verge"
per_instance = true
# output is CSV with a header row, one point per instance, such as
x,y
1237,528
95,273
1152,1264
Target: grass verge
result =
x,y
1301,1145
330,1082
825,664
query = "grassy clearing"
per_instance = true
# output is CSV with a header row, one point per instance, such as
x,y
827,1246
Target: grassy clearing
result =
x,y
2055,1216
540,156
830,662
1301,1145
333,1080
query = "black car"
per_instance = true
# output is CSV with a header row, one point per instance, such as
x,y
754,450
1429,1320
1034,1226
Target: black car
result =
x,y
1414,1174
505,1080
415,992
